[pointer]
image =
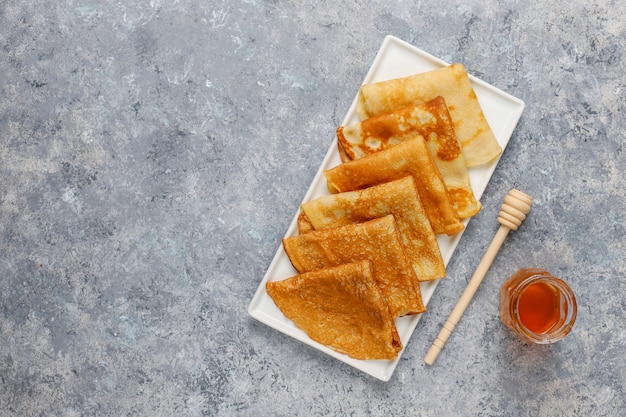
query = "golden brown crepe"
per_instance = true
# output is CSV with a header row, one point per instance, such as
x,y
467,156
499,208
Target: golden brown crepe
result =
x,y
410,157
398,198
304,225
376,241
342,308
432,121
452,82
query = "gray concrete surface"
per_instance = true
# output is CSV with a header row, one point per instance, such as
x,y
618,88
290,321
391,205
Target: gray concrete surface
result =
x,y
153,153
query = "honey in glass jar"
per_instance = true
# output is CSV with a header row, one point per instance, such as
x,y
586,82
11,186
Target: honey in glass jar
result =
x,y
537,306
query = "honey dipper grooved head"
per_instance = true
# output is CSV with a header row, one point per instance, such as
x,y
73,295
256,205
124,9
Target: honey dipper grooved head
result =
x,y
514,209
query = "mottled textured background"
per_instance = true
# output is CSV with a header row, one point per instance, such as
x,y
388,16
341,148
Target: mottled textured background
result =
x,y
153,153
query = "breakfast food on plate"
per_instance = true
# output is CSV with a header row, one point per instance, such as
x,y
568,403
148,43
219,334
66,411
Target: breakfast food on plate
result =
x,y
363,252
407,158
342,308
432,121
398,198
304,225
452,82
376,241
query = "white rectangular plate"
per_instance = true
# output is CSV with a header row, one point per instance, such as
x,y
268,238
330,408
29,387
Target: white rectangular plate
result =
x,y
395,59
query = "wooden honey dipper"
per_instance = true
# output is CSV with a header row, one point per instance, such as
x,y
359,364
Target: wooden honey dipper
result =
x,y
512,213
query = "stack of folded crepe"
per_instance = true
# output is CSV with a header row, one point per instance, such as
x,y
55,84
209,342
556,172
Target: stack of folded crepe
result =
x,y
362,251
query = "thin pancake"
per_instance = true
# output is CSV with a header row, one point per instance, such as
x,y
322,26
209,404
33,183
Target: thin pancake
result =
x,y
407,158
452,82
432,121
376,241
304,225
341,308
398,198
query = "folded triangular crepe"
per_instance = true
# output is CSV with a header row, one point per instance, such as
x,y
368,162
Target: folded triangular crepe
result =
x,y
304,224
376,241
407,158
342,308
432,121
398,198
452,82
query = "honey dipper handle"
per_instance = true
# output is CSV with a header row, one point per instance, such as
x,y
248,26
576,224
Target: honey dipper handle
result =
x,y
467,295
514,209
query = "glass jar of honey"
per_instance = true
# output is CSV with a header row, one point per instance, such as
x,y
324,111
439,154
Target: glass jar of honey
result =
x,y
537,306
